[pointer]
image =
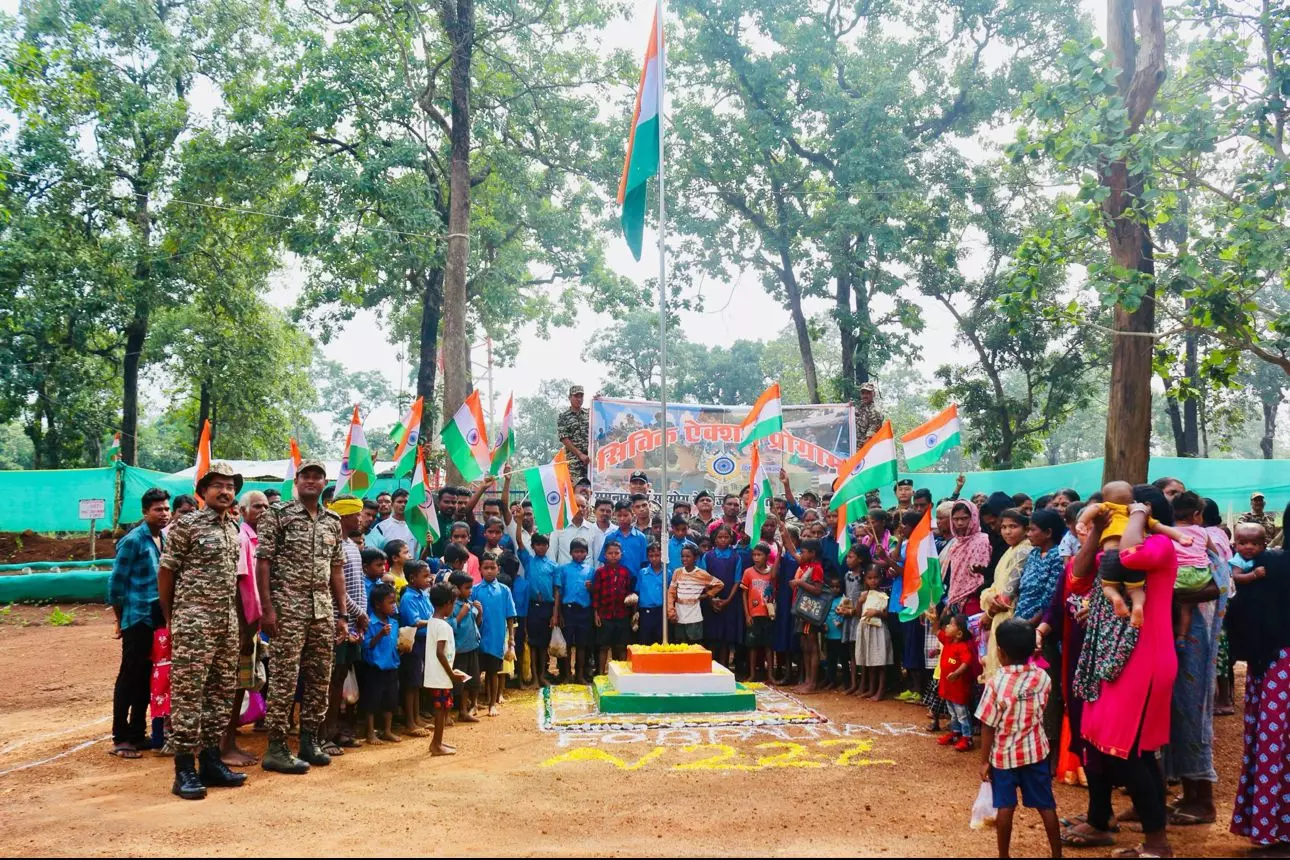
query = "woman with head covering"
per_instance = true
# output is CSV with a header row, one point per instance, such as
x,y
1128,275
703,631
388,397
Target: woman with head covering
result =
x,y
1000,596
1258,628
969,557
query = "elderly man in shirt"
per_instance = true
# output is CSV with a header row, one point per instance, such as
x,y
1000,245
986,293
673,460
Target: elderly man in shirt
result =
x,y
132,594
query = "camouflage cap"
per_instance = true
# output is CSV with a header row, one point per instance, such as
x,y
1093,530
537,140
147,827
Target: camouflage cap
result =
x,y
870,387
575,389
219,469
312,464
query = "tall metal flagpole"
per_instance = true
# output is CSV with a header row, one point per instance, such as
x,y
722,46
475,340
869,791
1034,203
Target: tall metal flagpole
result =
x,y
662,290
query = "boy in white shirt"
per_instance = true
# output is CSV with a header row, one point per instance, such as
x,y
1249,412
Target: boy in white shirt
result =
x,y
441,648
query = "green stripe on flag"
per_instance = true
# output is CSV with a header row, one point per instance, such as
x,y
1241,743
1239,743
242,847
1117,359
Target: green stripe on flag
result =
x,y
460,452
644,164
932,456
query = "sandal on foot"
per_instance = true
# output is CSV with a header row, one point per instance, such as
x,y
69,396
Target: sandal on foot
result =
x,y
1096,839
125,751
1139,850
1178,818
332,748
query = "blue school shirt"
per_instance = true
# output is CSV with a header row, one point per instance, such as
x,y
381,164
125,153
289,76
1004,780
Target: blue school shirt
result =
x,y
383,654
466,631
674,547
829,555
499,605
649,586
520,588
368,584
543,576
833,624
634,545
574,579
414,606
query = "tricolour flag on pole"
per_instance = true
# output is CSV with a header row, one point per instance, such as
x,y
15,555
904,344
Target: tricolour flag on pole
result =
x,y
293,464
504,446
113,452
203,463
868,469
843,535
551,492
764,420
465,438
926,444
357,474
407,432
921,581
762,491
642,144
421,515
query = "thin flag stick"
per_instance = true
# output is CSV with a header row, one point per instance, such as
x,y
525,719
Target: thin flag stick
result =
x,y
662,284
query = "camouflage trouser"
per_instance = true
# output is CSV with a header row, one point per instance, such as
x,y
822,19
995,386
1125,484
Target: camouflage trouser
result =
x,y
577,470
203,676
303,649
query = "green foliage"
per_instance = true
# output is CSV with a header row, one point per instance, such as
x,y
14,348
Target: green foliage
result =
x,y
59,618
535,421
16,449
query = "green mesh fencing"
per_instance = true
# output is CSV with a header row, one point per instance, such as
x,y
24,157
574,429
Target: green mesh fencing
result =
x,y
49,500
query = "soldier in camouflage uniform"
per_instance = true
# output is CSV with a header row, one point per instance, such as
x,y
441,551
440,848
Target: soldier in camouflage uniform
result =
x,y
299,573
1258,515
573,428
868,422
197,585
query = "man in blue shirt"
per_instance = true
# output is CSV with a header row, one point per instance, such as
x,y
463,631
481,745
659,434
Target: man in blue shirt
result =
x,y
633,541
496,629
575,609
649,591
542,580
132,593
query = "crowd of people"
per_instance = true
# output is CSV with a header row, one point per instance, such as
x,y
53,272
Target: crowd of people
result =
x,y
328,615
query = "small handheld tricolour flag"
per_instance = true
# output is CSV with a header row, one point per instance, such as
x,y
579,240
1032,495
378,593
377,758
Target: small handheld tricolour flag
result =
x,y
504,447
921,585
642,144
293,463
926,444
465,438
357,474
867,469
407,433
422,517
551,492
764,420
759,482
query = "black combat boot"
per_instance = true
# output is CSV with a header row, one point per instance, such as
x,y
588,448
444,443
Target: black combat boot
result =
x,y
215,774
187,784
279,759
311,752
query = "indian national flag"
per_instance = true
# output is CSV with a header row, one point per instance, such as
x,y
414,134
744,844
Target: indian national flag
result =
x,y
293,463
203,463
765,419
357,474
921,580
504,447
759,480
407,432
113,452
843,535
465,438
551,492
642,144
926,444
868,469
421,515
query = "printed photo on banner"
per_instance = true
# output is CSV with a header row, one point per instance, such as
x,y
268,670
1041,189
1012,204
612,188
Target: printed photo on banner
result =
x,y
626,435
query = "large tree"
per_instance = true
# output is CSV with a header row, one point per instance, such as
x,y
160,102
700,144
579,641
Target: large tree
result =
x,y
813,140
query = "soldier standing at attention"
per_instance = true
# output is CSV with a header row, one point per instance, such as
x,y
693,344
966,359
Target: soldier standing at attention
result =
x,y
197,587
869,421
574,427
299,572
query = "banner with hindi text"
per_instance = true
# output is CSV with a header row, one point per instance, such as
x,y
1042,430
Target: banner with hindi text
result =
x,y
626,436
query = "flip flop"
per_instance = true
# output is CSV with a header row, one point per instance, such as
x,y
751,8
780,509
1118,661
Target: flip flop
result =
x,y
1076,820
348,743
1136,851
1178,818
332,748
125,751
1082,840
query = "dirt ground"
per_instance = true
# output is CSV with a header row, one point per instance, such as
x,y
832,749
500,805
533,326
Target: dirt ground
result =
x,y
29,546
870,783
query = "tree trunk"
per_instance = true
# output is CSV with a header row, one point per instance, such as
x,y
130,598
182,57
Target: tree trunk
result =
x,y
136,332
1128,422
1269,429
53,456
1175,416
431,286
458,17
1190,416
848,389
794,293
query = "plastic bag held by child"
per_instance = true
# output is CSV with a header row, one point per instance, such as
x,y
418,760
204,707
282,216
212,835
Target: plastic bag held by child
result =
x,y
559,647
983,811
349,691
